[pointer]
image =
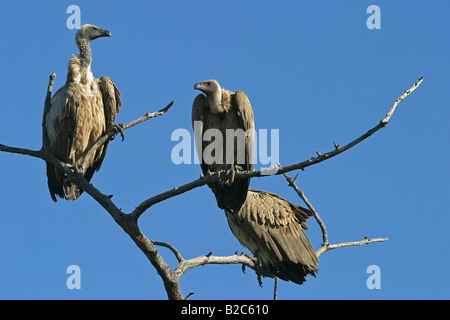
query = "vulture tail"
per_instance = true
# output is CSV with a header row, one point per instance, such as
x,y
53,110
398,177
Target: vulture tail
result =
x,y
294,272
232,197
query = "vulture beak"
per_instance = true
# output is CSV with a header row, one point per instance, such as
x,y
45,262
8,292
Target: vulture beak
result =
x,y
198,86
106,33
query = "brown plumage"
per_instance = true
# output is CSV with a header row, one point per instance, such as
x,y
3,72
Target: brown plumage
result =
x,y
223,109
272,229
79,113
268,225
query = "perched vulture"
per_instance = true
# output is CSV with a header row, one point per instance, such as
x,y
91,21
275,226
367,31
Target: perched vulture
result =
x,y
79,113
272,229
224,110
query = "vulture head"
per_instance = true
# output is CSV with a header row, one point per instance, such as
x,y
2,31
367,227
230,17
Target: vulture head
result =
x,y
213,92
89,32
208,87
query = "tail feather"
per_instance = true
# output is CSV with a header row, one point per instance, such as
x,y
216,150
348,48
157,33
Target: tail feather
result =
x,y
231,197
289,271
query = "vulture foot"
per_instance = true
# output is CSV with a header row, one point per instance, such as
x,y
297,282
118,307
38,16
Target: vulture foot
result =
x,y
227,179
118,128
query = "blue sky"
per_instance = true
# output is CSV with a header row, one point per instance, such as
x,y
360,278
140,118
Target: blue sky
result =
x,y
312,70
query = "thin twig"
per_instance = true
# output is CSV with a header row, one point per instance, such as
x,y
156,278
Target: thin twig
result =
x,y
400,99
301,194
148,116
171,248
326,246
189,294
324,249
113,131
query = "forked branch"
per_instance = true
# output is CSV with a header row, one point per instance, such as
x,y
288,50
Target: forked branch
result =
x,y
129,221
326,245
113,131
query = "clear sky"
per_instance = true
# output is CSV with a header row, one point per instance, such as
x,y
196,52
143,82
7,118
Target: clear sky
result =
x,y
312,70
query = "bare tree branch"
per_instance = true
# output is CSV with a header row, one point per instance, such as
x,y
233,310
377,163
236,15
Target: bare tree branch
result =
x,y
316,215
171,248
245,260
348,244
148,116
129,222
326,245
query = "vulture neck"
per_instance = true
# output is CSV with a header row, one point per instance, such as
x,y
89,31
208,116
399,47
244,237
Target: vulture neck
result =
x,y
80,65
85,54
215,102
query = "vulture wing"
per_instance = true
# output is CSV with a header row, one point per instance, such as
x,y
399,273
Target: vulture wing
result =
x,y
272,229
245,115
198,118
111,105
111,100
60,123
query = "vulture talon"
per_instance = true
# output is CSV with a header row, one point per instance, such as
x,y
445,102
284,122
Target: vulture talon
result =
x,y
118,128
230,176
260,280
78,168
226,177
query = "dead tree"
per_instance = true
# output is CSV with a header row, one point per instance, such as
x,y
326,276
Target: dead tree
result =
x,y
129,221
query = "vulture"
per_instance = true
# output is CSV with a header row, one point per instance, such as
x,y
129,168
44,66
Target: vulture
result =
x,y
224,110
78,114
265,223
272,229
